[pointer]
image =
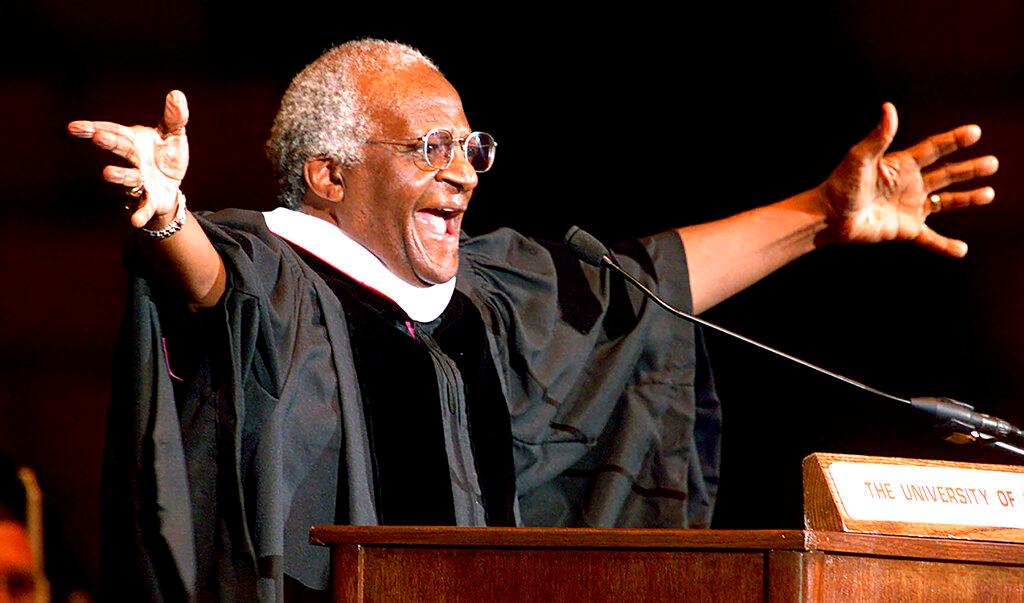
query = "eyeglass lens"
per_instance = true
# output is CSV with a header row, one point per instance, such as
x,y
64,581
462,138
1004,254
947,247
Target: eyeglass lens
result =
x,y
439,148
480,151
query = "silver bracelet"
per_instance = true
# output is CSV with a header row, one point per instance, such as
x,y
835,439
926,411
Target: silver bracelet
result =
x,y
174,226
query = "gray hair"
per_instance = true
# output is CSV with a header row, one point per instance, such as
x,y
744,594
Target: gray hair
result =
x,y
323,114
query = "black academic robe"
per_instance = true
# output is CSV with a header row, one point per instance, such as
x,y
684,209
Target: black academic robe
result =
x,y
226,428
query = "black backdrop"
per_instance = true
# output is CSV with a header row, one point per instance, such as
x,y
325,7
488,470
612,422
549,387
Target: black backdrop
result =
x,y
625,121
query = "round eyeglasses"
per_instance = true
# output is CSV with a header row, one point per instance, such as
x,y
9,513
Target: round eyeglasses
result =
x,y
438,148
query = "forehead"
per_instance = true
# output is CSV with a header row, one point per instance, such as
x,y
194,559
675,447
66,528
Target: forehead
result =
x,y
412,100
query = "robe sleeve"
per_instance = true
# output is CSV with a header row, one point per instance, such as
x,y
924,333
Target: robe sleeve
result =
x,y
233,425
614,418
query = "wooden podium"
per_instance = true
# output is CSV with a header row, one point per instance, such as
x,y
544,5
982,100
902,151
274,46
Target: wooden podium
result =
x,y
532,564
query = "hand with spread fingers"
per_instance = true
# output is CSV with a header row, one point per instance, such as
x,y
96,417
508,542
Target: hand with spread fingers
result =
x,y
873,196
158,158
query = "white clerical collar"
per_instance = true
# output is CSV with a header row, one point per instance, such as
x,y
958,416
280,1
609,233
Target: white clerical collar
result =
x,y
327,242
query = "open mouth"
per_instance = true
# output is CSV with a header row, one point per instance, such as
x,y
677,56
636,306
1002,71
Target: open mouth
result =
x,y
439,222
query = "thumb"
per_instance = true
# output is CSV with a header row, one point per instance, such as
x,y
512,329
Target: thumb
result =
x,y
175,113
878,141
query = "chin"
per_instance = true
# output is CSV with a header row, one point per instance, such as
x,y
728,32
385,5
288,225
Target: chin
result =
x,y
436,278
433,263
437,274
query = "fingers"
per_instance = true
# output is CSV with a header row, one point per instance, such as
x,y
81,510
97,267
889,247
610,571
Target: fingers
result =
x,y
109,127
81,129
880,138
144,213
929,150
929,239
129,177
117,143
960,171
175,113
978,196
121,139
140,207
107,135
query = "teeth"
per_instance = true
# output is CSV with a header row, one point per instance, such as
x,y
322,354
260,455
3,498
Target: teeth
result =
x,y
434,223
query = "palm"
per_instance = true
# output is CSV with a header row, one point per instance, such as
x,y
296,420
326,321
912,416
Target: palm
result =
x,y
875,197
163,159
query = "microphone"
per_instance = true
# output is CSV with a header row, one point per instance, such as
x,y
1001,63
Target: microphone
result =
x,y
586,246
957,418
959,413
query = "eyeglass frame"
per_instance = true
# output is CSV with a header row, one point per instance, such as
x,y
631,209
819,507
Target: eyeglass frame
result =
x,y
422,140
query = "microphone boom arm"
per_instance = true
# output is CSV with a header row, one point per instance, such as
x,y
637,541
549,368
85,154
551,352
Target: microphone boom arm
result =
x,y
958,420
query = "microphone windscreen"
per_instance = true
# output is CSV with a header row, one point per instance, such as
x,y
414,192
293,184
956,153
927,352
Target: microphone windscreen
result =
x,y
585,245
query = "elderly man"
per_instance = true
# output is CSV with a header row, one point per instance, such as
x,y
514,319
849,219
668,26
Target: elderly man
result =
x,y
351,357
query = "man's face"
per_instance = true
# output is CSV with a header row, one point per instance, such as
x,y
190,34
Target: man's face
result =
x,y
405,212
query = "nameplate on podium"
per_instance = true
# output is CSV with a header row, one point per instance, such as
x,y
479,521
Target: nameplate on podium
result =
x,y
913,497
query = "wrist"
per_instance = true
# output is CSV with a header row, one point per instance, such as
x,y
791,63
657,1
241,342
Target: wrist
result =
x,y
165,225
819,202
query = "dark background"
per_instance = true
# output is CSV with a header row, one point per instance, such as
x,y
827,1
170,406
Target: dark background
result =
x,y
627,122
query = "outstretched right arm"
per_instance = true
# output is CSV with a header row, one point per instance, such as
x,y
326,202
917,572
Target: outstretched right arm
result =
x,y
159,159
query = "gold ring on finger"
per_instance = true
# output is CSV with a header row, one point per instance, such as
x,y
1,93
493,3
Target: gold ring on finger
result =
x,y
137,190
934,203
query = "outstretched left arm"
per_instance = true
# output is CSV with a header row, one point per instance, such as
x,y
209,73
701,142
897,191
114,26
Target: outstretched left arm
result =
x,y
871,197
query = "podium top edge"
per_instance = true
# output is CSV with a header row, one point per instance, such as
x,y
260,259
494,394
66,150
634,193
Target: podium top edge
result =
x,y
669,540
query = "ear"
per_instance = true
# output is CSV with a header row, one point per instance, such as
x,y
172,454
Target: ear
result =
x,y
324,179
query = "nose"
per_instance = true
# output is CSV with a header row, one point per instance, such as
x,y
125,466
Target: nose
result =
x,y
459,173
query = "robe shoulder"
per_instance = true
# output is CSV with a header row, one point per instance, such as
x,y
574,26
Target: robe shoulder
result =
x,y
614,417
